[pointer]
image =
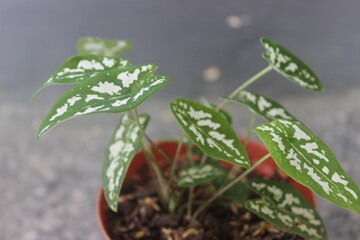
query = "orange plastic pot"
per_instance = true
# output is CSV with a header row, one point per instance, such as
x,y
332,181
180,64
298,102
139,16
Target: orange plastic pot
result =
x,y
254,149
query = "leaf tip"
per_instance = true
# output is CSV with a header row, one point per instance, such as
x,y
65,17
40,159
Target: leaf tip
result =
x,y
321,87
41,131
172,105
32,99
113,208
130,45
38,137
263,40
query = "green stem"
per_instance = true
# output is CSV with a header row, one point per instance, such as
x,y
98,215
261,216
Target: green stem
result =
x,y
189,202
155,166
158,174
244,85
164,155
248,134
189,154
203,158
178,200
224,189
176,158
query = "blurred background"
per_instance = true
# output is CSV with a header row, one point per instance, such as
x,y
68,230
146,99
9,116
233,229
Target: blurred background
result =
x,y
48,189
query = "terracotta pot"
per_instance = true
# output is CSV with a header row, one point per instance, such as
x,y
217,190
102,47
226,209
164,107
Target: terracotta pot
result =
x,y
255,151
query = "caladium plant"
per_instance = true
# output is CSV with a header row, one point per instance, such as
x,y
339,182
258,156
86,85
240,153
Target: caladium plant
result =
x,y
107,83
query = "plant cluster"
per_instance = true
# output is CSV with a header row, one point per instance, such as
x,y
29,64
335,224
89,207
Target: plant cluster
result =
x,y
107,83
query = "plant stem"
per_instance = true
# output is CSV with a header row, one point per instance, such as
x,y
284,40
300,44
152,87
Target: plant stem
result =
x,y
163,190
177,201
164,155
244,85
189,202
224,189
248,134
189,153
158,174
176,158
203,158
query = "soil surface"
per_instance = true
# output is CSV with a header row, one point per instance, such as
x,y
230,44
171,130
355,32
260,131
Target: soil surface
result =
x,y
142,216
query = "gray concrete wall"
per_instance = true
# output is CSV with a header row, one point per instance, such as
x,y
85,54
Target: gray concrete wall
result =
x,y
184,38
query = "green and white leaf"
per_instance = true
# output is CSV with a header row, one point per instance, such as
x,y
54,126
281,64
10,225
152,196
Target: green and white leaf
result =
x,y
263,106
123,146
117,90
238,193
102,47
199,174
79,68
307,159
210,131
290,66
225,113
286,208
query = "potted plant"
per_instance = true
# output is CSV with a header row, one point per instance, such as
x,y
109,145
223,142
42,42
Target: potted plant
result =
x,y
180,189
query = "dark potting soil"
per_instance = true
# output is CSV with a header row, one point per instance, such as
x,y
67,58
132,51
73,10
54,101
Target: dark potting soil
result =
x,y
141,216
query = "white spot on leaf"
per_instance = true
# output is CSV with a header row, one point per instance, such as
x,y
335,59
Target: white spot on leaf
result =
x,y
198,114
106,87
90,97
262,104
311,148
60,111
73,100
118,103
208,123
128,78
108,62
90,65
300,134
337,178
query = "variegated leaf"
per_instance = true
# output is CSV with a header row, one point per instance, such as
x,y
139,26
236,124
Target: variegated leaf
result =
x,y
286,208
102,47
238,193
123,146
290,66
78,68
308,160
263,106
210,131
199,174
116,91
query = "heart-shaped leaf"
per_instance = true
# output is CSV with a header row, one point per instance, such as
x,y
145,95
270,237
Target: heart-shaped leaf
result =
x,y
123,146
263,106
78,68
290,66
210,131
116,90
307,159
285,207
102,47
238,193
199,174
